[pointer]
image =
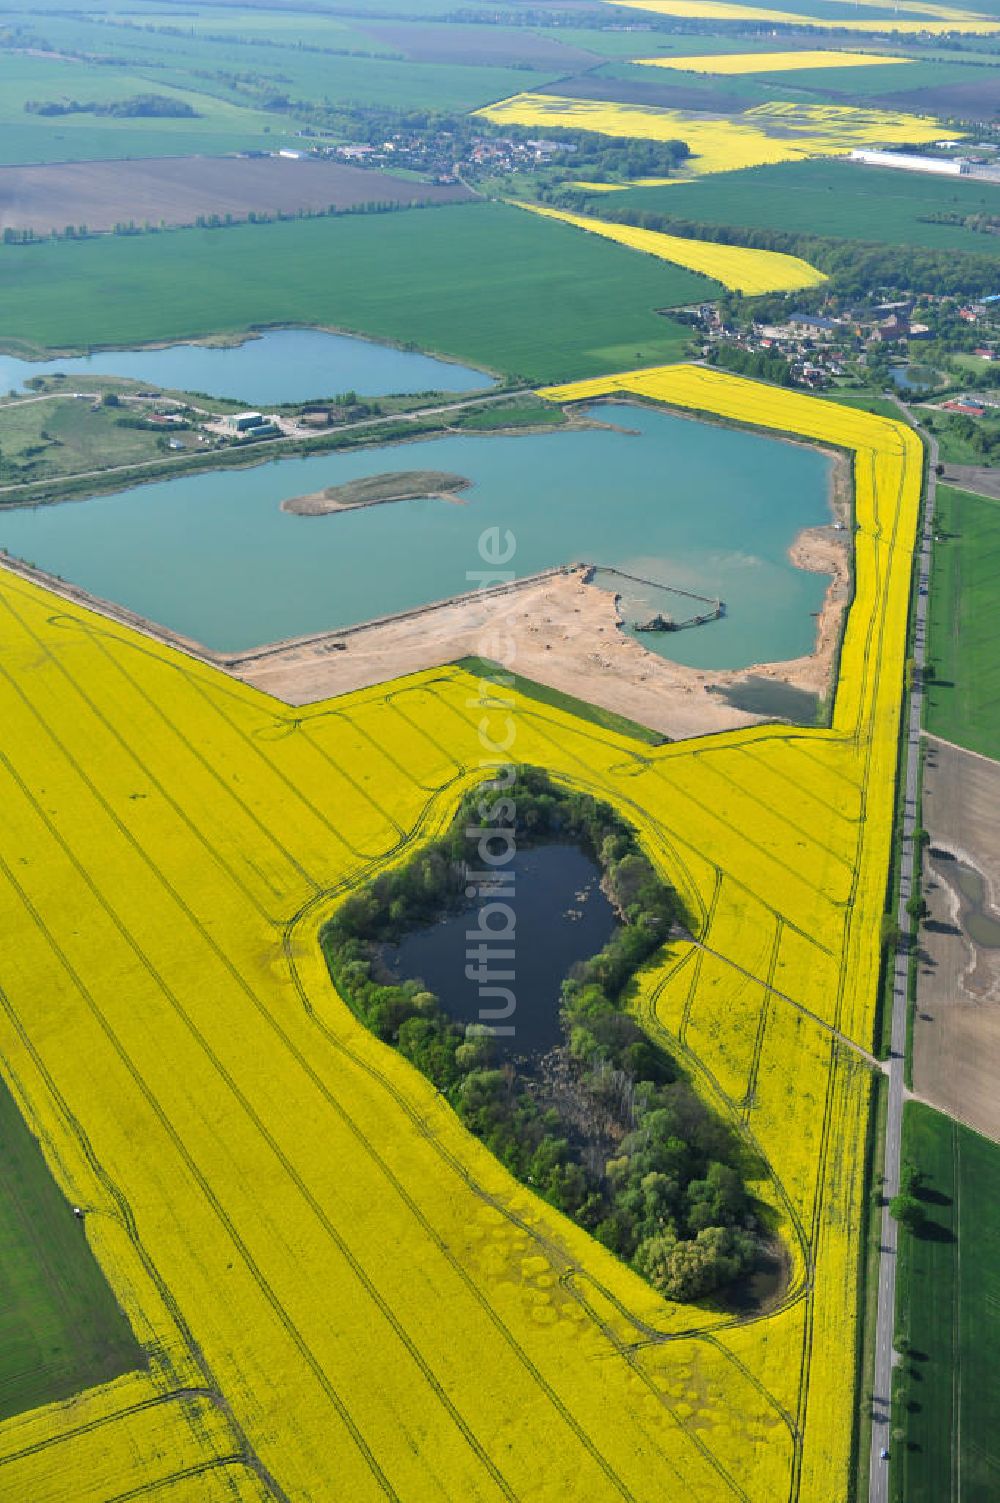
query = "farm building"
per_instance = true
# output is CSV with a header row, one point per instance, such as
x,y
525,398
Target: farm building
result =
x,y
910,163
252,425
813,323
891,329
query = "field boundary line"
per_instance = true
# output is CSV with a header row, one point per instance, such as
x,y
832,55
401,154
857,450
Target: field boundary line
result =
x,y
965,750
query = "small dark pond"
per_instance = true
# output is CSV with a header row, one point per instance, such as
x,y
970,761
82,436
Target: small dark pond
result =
x,y
561,916
977,917
759,1288
918,379
768,696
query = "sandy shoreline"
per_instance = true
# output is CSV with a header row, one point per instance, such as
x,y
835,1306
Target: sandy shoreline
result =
x,y
558,628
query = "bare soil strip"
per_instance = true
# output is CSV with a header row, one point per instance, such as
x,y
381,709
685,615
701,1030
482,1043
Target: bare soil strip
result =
x,y
982,480
177,190
956,1033
481,45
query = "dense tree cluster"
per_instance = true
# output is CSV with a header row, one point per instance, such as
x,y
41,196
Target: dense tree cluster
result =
x,y
626,1149
605,158
139,106
983,440
758,363
980,224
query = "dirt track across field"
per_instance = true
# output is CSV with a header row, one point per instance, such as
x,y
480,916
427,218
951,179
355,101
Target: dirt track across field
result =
x,y
177,190
956,1033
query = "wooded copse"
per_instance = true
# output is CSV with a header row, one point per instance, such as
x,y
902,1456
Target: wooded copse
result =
x,y
633,1156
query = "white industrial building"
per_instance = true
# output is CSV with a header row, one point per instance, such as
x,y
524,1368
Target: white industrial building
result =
x,y
938,165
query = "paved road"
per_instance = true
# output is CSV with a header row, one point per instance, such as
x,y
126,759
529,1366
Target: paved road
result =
x,y
878,1491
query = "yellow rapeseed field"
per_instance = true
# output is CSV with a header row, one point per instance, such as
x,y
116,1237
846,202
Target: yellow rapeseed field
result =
x,y
939,20
769,62
735,266
774,132
600,187
344,1296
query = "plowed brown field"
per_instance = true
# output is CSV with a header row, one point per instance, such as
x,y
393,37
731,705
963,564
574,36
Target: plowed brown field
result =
x,y
176,190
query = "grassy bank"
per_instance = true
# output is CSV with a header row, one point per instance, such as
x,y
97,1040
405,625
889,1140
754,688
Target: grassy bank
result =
x,y
392,430
481,282
531,412
52,439
866,402
77,488
868,1262
948,1311
954,434
608,720
963,699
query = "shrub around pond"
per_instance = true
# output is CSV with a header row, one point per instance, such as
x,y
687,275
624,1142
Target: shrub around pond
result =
x,y
604,1127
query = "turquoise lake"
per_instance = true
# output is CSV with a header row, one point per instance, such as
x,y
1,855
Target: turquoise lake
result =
x,y
282,365
704,508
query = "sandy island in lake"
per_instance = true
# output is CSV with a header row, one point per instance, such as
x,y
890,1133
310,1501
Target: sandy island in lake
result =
x,y
375,490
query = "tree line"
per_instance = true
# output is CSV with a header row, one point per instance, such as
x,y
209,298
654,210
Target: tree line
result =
x,y
855,268
138,107
29,236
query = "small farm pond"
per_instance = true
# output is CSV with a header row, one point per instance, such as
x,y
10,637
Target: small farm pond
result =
x,y
281,365
918,379
703,508
560,916
978,918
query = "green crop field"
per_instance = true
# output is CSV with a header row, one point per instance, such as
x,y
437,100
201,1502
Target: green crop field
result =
x,y
292,27
482,282
948,1304
842,199
625,46
313,63
218,126
865,85
854,85
963,702
60,1328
